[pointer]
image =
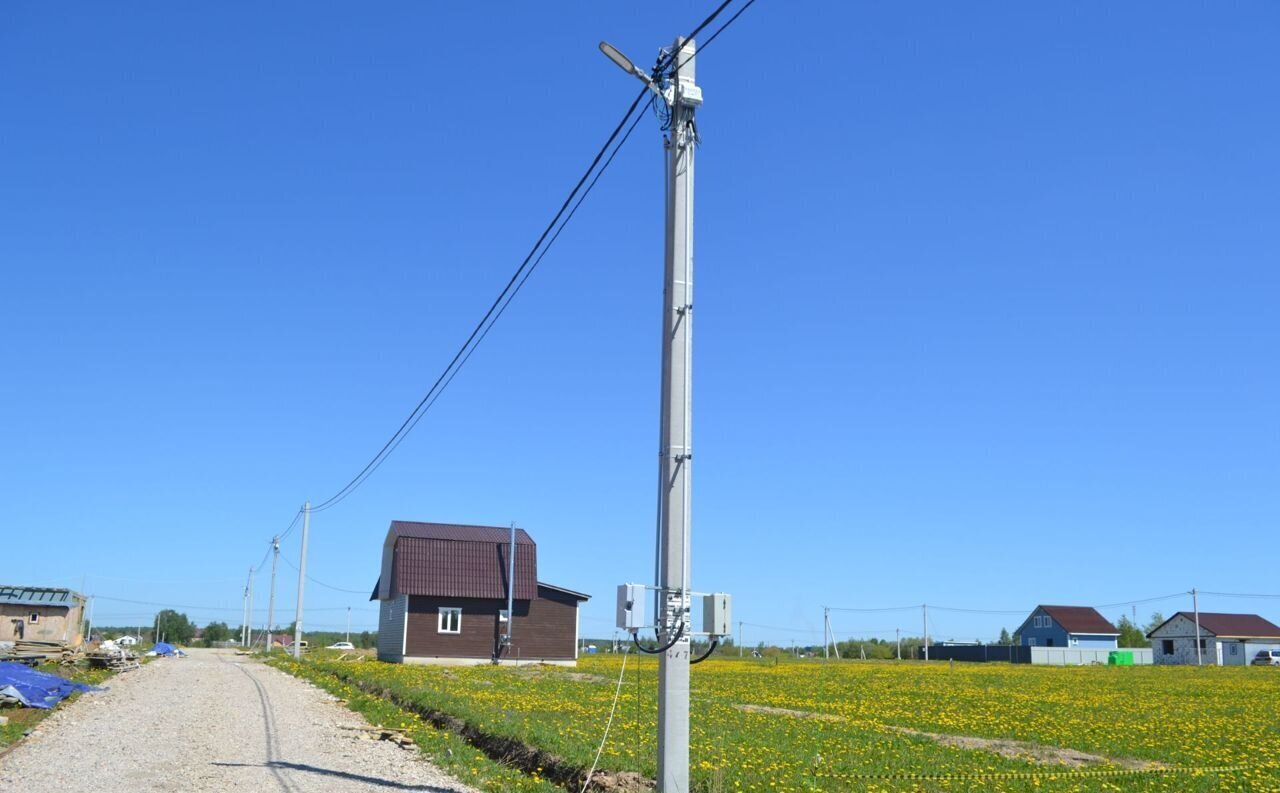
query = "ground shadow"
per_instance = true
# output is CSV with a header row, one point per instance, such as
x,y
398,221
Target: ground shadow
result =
x,y
278,765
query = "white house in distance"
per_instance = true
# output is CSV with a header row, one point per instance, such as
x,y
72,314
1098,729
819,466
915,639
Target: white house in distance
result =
x,y
1225,639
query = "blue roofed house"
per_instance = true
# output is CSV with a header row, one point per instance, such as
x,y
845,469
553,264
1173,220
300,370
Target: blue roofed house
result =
x,y
1068,626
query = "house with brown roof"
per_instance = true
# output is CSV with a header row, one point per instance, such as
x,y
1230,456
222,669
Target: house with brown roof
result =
x,y
443,594
1225,639
1068,626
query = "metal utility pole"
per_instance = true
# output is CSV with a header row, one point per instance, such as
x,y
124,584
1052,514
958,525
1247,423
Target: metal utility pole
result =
x,y
897,638
682,96
1195,605
249,622
302,580
739,638
924,608
271,598
244,615
348,625
511,589
826,633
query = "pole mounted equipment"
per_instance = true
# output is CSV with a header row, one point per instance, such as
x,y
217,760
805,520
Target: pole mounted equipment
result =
x,y
674,82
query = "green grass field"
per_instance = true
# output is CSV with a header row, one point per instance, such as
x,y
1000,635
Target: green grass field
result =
x,y
816,726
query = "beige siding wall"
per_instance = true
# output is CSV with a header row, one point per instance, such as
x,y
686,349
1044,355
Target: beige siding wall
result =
x,y
53,624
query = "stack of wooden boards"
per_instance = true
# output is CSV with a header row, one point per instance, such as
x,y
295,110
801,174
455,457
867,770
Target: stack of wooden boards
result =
x,y
34,653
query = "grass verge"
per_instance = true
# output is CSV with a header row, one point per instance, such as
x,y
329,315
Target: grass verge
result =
x,y
447,749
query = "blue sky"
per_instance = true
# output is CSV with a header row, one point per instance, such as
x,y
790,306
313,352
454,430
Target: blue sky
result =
x,y
986,301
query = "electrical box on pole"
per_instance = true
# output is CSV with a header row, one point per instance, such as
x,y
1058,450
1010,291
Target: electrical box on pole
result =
x,y
631,607
717,614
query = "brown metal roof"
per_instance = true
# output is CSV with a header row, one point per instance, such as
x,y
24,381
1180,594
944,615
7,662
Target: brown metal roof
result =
x,y
459,531
1234,626
570,592
449,560
1080,619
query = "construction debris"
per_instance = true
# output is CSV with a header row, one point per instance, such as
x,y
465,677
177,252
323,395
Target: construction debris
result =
x,y
33,653
112,656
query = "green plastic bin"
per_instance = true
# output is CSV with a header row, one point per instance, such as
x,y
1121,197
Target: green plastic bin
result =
x,y
1120,658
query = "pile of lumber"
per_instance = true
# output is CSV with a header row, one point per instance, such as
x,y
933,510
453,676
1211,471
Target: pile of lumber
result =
x,y
33,653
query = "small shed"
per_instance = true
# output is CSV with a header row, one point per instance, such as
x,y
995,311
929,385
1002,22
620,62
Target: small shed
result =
x,y
1225,639
41,614
443,597
1068,626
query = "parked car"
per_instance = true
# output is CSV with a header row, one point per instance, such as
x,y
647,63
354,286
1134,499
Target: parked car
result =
x,y
1267,658
341,646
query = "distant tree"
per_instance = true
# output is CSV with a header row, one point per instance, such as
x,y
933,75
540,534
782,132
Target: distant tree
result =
x,y
1156,619
366,640
216,632
1130,635
1005,638
174,627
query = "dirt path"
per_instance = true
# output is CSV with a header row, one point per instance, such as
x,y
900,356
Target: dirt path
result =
x,y
1017,750
212,722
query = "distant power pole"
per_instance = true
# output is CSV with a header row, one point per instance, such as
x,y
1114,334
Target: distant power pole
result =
x,y
247,623
271,599
897,637
826,632
924,609
244,614
1195,605
302,580
349,624
739,638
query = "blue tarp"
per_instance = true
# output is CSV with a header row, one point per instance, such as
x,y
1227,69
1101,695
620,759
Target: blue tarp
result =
x,y
37,689
164,648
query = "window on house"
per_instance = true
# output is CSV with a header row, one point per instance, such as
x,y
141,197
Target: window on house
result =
x,y
34,618
449,620
1204,644
1166,646
1031,641
1035,621
1234,647
1074,641
504,615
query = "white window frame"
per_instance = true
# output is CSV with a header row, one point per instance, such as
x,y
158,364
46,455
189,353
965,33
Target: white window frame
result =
x,y
443,615
503,616
1031,641
35,617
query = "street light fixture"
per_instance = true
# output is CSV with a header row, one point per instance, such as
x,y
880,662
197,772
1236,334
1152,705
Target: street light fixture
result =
x,y
624,63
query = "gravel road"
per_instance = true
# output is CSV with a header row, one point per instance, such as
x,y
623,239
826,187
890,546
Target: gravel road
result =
x,y
212,722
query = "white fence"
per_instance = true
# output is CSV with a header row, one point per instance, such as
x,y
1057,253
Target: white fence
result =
x,y
1072,656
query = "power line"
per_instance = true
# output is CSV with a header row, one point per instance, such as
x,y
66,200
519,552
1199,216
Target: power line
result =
x,y
1239,595
1143,600
498,306
860,611
206,608
292,525
289,562
489,316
